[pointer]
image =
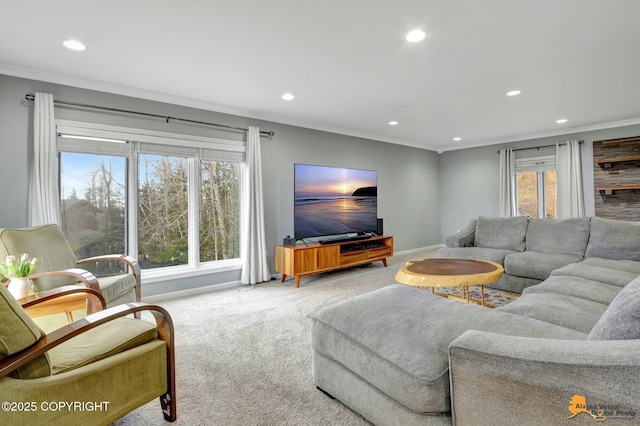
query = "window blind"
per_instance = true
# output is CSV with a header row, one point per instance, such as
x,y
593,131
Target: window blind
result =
x,y
535,164
113,140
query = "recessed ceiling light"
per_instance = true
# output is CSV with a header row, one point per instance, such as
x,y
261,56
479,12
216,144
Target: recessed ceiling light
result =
x,y
415,36
288,97
562,120
513,93
393,123
457,139
74,45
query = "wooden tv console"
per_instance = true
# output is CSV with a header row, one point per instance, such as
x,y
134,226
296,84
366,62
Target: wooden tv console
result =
x,y
313,258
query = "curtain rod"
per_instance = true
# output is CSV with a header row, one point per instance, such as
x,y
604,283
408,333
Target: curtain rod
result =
x,y
538,147
31,97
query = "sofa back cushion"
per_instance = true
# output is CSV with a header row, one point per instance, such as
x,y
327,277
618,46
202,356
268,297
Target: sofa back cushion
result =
x,y
501,232
621,320
614,239
568,236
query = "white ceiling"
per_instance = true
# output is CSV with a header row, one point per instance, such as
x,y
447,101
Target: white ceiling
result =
x,y
347,62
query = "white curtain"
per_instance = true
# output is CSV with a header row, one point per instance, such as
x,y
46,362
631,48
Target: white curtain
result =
x,y
255,267
570,196
508,206
44,201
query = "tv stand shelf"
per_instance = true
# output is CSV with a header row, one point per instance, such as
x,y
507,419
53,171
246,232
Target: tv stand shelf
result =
x,y
314,258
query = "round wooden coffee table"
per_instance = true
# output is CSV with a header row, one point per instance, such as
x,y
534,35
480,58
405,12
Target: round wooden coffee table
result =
x,y
450,272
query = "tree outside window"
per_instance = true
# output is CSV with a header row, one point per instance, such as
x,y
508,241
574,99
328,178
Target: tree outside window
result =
x,y
94,206
536,193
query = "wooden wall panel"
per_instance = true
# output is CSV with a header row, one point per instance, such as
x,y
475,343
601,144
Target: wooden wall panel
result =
x,y
621,204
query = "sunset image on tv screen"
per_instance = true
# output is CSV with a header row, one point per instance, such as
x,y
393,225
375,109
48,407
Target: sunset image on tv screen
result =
x,y
334,200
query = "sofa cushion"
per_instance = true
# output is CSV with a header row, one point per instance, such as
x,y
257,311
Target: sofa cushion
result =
x,y
579,287
614,239
513,283
533,264
622,318
494,255
606,271
560,309
506,233
396,339
618,264
568,236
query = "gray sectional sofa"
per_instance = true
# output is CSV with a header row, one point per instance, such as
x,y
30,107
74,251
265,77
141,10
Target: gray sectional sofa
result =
x,y
530,249
403,356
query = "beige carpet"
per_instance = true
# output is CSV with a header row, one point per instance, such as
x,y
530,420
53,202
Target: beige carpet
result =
x,y
244,354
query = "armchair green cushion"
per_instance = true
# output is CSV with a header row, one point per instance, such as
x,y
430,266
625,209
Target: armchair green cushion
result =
x,y
126,381
45,242
114,287
101,342
48,242
105,358
18,332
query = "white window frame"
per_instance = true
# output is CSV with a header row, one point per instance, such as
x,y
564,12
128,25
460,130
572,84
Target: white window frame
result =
x,y
136,141
539,165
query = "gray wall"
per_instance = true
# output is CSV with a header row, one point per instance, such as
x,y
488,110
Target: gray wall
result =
x,y
423,196
407,181
408,178
469,178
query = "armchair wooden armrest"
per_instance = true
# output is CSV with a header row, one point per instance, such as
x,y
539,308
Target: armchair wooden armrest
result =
x,y
86,277
131,262
63,299
164,326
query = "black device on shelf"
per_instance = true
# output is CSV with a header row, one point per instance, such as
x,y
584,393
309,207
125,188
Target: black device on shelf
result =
x,y
360,246
345,239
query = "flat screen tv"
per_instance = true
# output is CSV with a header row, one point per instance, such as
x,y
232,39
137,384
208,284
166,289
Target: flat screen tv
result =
x,y
334,201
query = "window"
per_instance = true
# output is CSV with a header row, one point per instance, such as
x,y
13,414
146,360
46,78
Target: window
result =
x,y
219,210
92,206
171,200
163,211
536,187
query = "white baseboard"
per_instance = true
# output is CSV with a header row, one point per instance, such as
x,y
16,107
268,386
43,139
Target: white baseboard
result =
x,y
434,247
156,298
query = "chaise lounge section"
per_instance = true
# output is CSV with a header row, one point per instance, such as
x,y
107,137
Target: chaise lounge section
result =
x,y
403,356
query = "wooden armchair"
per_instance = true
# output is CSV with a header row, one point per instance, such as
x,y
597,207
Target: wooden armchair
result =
x,y
60,267
104,365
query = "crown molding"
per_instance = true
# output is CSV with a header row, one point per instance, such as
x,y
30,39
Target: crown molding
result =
x,y
116,89
111,88
540,135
